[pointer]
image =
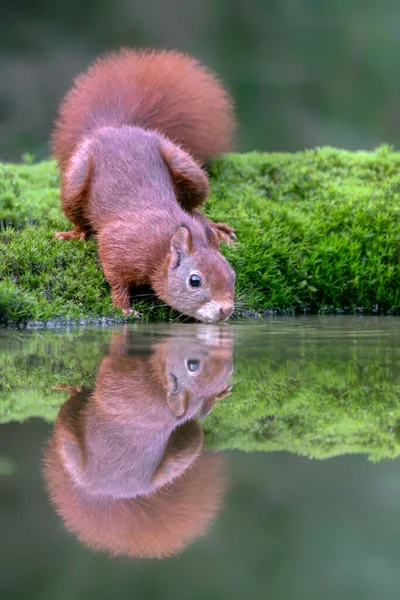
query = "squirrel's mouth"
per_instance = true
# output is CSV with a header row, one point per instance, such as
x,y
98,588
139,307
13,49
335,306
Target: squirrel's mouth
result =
x,y
214,312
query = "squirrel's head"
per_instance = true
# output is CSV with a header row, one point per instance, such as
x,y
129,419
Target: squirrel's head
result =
x,y
200,282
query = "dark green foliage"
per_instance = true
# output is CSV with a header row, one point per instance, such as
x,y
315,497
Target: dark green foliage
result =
x,y
317,231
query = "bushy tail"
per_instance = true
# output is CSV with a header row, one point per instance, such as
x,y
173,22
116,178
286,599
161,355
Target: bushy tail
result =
x,y
161,90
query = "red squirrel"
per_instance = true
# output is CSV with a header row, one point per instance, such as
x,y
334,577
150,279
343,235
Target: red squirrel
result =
x,y
125,466
131,137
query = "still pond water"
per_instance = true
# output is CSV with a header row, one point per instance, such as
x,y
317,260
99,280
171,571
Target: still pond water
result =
x,y
253,460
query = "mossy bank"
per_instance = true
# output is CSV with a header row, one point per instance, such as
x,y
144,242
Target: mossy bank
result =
x,y
317,231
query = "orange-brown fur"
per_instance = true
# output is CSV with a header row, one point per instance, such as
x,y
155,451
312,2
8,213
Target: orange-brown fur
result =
x,y
162,90
130,139
125,466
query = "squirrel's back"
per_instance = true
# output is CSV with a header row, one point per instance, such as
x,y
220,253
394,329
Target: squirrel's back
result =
x,y
161,90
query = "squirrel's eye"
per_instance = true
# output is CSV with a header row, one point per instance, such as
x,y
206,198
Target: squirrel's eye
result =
x,y
195,281
193,365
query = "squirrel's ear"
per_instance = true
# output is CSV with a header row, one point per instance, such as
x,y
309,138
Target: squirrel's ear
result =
x,y
78,171
181,246
184,446
212,237
190,181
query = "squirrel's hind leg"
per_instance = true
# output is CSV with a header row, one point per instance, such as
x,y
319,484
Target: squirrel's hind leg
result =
x,y
74,234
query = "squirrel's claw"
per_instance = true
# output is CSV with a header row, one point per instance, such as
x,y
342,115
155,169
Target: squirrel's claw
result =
x,y
225,233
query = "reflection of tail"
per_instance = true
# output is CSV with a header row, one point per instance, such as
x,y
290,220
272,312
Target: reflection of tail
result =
x,y
153,526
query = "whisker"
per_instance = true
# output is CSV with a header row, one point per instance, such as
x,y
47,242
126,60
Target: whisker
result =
x,y
144,296
187,319
157,306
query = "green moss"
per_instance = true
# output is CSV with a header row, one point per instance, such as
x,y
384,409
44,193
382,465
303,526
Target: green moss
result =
x,y
292,391
317,230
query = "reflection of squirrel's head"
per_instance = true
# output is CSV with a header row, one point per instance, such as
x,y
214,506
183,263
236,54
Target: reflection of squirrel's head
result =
x,y
131,449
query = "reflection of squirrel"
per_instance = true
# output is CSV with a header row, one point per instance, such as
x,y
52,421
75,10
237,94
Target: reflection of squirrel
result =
x,y
125,178
125,466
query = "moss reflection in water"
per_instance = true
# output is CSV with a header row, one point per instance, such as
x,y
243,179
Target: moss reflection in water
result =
x,y
311,391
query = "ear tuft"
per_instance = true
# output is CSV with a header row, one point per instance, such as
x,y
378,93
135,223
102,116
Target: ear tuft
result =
x,y
190,181
181,245
78,171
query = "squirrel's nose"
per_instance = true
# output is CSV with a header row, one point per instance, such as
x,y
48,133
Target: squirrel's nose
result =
x,y
225,310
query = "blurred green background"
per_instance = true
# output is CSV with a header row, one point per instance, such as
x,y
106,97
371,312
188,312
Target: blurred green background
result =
x,y
302,72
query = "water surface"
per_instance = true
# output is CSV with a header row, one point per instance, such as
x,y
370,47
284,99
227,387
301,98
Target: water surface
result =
x,y
210,462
